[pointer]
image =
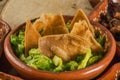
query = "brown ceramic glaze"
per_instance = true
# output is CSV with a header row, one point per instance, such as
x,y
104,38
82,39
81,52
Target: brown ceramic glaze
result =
x,y
112,74
4,29
100,8
83,74
94,16
4,76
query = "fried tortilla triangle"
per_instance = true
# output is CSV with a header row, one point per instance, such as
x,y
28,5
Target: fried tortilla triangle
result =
x,y
80,15
42,22
56,26
81,28
65,46
39,25
31,37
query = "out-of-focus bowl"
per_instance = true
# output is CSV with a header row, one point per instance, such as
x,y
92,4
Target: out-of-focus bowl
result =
x,y
102,8
4,29
118,49
113,73
83,74
5,76
95,16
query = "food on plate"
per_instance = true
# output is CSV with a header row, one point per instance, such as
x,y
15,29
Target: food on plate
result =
x,y
111,20
52,45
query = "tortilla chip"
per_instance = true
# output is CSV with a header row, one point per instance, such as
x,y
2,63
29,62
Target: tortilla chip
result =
x,y
46,18
81,28
65,46
31,37
42,22
80,15
38,25
56,26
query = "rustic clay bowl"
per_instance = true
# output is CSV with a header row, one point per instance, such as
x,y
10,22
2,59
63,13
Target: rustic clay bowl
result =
x,y
83,74
4,29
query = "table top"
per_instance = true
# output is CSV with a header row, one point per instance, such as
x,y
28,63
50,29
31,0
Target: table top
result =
x,y
16,12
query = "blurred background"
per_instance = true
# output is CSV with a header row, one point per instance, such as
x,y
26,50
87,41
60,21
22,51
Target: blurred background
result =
x,y
14,12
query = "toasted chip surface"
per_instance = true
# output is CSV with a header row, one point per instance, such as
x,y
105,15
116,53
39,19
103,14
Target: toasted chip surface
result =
x,y
66,46
31,37
56,39
39,25
81,28
42,22
56,26
80,15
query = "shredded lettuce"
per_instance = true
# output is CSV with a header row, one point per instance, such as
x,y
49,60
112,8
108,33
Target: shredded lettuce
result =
x,y
94,59
58,62
72,65
18,43
83,64
101,40
38,61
